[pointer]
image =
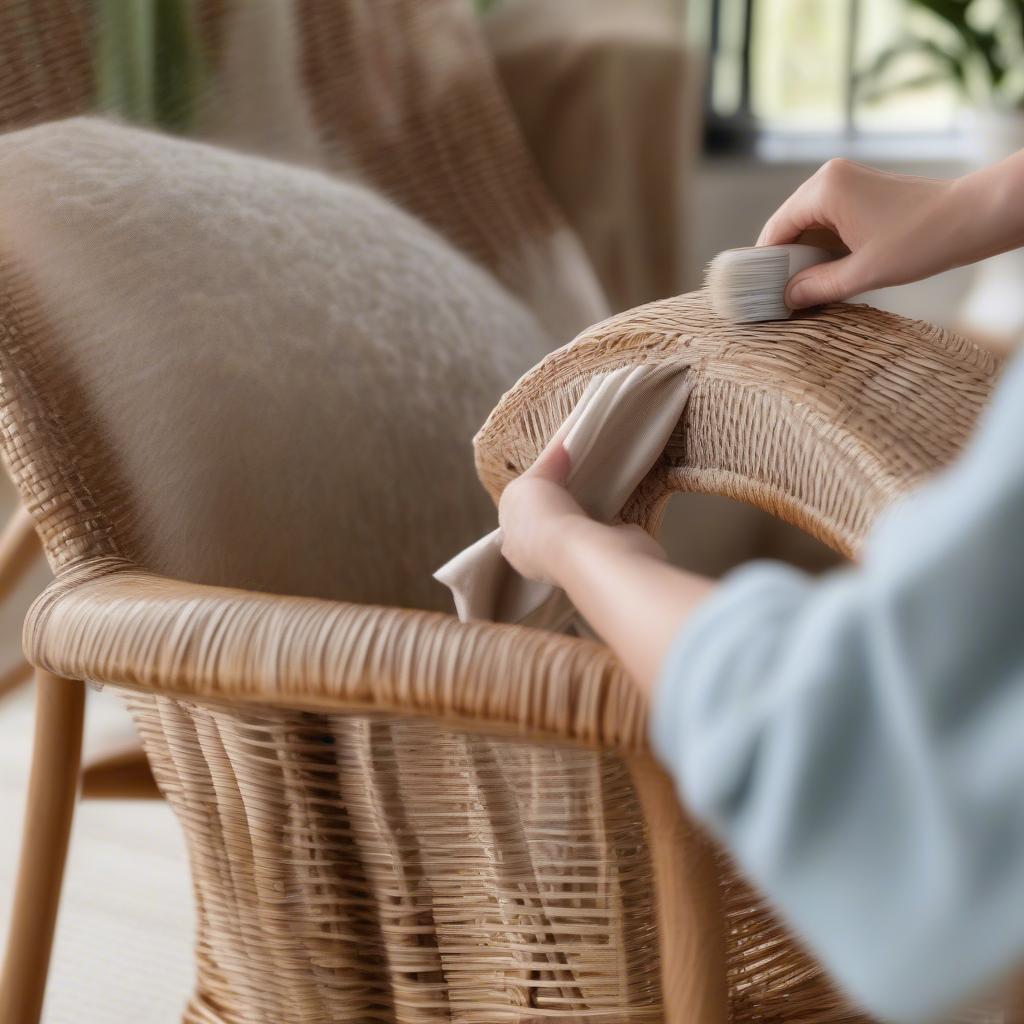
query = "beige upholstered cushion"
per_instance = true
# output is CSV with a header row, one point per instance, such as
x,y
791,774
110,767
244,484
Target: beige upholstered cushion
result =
x,y
279,375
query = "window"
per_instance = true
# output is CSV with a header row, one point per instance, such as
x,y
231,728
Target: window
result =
x,y
790,68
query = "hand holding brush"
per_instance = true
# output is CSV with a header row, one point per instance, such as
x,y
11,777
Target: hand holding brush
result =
x,y
887,229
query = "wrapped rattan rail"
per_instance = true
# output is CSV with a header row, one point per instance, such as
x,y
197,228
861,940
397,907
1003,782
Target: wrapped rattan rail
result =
x,y
122,626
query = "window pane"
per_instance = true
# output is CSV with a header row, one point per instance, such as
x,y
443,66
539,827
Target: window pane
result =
x,y
799,63
932,106
727,72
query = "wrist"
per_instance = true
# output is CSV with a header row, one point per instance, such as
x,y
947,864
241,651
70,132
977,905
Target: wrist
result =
x,y
961,215
585,546
571,541
982,213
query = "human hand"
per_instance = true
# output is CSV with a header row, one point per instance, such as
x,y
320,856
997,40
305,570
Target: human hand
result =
x,y
617,576
533,511
898,228
543,525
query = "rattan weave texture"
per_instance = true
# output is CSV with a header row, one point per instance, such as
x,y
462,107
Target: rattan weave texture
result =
x,y
392,816
823,420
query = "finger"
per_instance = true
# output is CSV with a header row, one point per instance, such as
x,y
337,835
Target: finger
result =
x,y
826,282
796,215
552,464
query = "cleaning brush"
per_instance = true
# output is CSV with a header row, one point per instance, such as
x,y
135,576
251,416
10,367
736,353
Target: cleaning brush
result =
x,y
748,284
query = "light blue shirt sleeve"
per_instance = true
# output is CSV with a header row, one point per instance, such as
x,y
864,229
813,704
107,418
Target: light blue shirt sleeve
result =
x,y
857,741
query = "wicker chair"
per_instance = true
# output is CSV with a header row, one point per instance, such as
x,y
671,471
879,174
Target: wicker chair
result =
x,y
496,210
392,816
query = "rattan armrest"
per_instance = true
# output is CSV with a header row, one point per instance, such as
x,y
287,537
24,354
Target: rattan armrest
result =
x,y
142,631
823,420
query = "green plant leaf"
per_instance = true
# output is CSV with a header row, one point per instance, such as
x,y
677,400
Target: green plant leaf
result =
x,y
980,59
124,59
870,83
954,14
178,70
905,85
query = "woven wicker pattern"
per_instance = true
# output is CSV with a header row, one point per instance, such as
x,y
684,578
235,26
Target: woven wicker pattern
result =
x,y
823,420
391,870
453,860
46,67
109,622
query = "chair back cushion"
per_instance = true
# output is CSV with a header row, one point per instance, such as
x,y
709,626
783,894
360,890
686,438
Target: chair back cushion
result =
x,y
239,372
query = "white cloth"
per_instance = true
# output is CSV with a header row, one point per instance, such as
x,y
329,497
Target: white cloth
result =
x,y
614,436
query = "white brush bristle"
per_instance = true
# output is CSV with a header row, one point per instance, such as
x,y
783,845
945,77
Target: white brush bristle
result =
x,y
747,285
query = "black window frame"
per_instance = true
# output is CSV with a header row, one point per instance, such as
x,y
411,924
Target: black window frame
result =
x,y
739,131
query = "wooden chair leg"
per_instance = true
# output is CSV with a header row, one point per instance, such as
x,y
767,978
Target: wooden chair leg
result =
x,y
60,706
691,919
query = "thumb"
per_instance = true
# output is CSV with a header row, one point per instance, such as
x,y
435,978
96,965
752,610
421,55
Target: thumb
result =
x,y
552,464
826,282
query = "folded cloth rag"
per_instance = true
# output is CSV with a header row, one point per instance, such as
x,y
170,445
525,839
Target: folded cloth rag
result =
x,y
614,435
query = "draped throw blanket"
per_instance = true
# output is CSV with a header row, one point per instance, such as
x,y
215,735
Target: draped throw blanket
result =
x,y
607,94
401,95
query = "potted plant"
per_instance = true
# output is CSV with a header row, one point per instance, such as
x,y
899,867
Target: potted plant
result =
x,y
978,46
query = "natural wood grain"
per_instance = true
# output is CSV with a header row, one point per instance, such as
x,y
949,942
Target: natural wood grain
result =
x,y
51,803
691,918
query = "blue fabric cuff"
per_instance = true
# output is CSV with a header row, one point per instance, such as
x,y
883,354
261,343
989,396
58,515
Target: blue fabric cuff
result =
x,y
727,627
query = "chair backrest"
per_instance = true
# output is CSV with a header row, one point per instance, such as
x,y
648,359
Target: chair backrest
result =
x,y
823,420
238,372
